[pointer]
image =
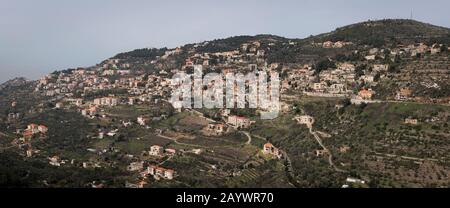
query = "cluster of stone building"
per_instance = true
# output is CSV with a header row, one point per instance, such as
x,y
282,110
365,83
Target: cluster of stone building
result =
x,y
78,85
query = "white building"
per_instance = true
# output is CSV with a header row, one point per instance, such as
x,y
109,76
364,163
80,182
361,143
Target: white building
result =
x,y
239,121
156,150
106,101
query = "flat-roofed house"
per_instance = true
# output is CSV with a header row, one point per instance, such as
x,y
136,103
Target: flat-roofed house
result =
x,y
156,150
239,121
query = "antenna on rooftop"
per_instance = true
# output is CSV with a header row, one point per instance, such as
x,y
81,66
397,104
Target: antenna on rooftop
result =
x,y
411,16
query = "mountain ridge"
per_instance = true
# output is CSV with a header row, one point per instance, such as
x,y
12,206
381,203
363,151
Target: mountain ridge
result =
x,y
17,81
339,33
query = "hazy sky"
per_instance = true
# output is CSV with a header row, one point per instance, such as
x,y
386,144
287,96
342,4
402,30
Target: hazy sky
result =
x,y
40,36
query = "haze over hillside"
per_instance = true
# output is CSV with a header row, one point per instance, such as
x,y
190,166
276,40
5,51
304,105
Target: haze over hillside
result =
x,y
366,105
374,33
52,35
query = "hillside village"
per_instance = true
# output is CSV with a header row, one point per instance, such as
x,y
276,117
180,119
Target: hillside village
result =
x,y
127,124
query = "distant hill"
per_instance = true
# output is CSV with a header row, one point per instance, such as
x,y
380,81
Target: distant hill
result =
x,y
14,82
142,53
232,43
217,45
389,31
381,33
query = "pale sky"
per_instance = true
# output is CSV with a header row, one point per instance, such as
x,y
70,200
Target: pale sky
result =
x,y
40,36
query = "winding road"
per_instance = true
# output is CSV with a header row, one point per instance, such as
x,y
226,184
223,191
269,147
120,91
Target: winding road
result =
x,y
319,140
287,159
177,142
330,156
249,141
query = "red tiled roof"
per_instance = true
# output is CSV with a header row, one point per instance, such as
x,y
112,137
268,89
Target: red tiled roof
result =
x,y
267,145
27,133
